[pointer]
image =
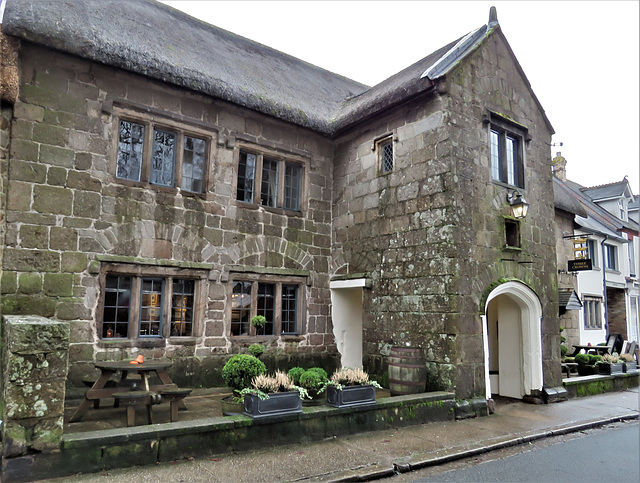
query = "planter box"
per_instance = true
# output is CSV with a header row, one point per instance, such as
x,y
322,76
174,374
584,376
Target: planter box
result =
x,y
586,370
230,408
279,403
615,368
351,396
629,367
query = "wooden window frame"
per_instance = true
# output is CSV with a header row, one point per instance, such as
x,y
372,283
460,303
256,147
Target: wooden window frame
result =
x,y
151,123
283,160
278,281
168,274
506,130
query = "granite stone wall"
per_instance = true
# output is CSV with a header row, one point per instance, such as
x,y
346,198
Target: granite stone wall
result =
x,y
431,234
67,216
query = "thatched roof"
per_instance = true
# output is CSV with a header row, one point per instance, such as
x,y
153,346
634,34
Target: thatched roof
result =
x,y
155,40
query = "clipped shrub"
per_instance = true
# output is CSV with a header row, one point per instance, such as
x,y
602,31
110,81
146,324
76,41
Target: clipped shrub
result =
x,y
312,381
323,374
563,350
256,350
295,373
239,371
582,359
594,358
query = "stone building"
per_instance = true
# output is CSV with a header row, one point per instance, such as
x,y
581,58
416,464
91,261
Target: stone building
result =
x,y
164,181
609,289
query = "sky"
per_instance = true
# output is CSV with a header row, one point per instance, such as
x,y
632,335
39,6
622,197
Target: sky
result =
x,y
580,57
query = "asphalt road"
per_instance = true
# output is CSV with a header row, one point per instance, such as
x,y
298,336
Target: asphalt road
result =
x,y
611,453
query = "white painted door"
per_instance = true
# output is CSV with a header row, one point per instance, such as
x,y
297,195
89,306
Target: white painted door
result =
x,y
346,313
510,348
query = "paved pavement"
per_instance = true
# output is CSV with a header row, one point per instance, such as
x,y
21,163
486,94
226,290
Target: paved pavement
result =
x,y
368,456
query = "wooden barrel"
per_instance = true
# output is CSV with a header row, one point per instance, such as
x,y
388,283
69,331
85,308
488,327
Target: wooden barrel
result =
x,y
407,371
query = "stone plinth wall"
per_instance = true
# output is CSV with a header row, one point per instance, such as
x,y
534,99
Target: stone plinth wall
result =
x,y
35,361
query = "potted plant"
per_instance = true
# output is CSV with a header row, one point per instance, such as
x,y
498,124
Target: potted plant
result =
x,y
272,396
628,363
238,373
350,387
585,368
313,380
258,321
609,364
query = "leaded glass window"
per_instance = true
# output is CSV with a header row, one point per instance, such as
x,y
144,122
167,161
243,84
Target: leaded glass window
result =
x,y
289,309
246,177
266,306
151,307
292,186
182,308
163,158
241,308
117,298
130,150
269,192
386,155
193,164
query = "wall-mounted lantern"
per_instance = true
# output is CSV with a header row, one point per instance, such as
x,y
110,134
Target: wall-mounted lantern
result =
x,y
519,205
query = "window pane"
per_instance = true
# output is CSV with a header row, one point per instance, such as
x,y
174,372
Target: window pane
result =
x,y
130,144
495,155
246,177
163,158
151,307
387,156
289,306
269,192
182,308
292,186
511,161
115,317
240,308
266,306
193,164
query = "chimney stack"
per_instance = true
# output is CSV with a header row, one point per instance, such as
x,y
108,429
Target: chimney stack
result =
x,y
559,167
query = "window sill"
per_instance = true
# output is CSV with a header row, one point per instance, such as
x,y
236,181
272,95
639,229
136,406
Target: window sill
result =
x,y
177,340
508,248
141,343
613,271
270,209
158,187
292,338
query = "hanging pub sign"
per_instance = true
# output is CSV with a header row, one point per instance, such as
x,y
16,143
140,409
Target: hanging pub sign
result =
x,y
580,265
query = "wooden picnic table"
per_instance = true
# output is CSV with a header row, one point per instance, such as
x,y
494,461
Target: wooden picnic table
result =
x,y
100,390
598,349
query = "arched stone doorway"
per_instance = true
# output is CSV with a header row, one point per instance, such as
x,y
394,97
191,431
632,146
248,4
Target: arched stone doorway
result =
x,y
512,341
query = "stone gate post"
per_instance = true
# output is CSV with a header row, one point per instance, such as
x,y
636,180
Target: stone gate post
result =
x,y
35,362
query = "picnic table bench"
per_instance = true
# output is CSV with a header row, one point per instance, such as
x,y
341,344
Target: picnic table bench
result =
x,y
108,386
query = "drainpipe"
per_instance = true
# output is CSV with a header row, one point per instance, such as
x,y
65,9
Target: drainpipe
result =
x,y
604,289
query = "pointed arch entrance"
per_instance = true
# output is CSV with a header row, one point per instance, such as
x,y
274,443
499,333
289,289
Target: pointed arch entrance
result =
x,y
512,341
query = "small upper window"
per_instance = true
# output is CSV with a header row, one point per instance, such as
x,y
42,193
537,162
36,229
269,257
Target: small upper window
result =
x,y
385,154
279,181
175,159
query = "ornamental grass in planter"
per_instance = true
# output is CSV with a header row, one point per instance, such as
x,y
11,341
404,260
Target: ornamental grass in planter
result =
x,y
274,395
609,364
349,387
628,363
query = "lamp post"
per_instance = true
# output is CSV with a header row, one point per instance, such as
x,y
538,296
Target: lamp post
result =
x,y
519,206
